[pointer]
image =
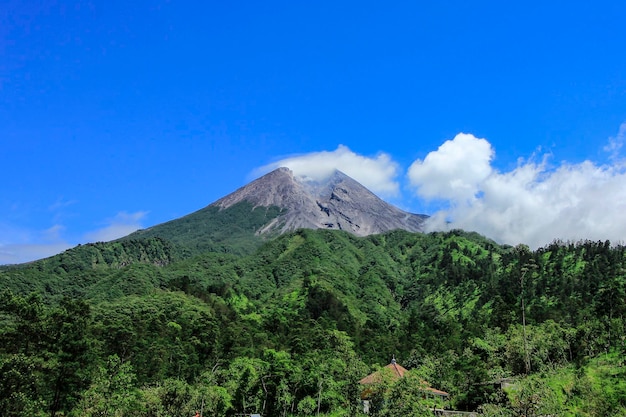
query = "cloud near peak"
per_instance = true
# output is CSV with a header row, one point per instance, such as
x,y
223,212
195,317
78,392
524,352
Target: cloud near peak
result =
x,y
377,173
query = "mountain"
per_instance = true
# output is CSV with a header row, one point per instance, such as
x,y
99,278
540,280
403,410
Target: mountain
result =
x,y
336,203
279,202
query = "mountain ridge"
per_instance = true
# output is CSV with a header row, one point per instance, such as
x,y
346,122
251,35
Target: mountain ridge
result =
x,y
339,202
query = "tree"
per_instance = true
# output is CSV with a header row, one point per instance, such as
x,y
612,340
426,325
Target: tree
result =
x,y
210,398
531,396
20,386
529,266
112,392
406,396
71,356
243,381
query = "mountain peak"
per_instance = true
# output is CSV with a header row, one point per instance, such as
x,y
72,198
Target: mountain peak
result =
x,y
337,202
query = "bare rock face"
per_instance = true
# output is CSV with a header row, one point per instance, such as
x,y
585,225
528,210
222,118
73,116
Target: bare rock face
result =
x,y
338,203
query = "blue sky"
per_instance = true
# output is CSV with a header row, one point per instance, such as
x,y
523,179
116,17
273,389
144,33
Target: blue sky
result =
x,y
501,117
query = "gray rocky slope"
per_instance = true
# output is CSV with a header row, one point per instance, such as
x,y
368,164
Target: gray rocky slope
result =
x,y
338,203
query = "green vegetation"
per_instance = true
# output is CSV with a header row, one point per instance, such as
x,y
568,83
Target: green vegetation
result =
x,y
230,230
161,324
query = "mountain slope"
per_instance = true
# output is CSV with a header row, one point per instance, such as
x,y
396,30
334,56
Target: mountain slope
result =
x,y
215,230
279,202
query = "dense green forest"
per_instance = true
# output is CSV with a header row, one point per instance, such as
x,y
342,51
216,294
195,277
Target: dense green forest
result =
x,y
148,327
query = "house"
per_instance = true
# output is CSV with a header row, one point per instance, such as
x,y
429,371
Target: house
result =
x,y
393,372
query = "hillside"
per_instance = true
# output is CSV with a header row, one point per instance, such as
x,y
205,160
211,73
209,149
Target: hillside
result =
x,y
306,315
211,229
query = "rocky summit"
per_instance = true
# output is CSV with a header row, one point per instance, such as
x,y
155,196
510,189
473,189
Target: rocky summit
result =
x,y
339,202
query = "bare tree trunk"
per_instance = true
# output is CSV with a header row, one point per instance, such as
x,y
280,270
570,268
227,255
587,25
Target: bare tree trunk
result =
x,y
319,396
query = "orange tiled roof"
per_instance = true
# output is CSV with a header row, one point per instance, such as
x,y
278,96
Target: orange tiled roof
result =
x,y
397,371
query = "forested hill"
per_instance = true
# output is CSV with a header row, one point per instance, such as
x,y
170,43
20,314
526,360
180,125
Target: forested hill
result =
x,y
291,327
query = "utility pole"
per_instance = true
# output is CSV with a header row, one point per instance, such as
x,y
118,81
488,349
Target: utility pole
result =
x,y
527,264
526,357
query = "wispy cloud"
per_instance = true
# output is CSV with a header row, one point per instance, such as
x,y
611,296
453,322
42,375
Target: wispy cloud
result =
x,y
61,203
616,142
17,254
533,203
121,225
377,173
18,245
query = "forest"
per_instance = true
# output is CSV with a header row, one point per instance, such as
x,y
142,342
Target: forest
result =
x,y
288,327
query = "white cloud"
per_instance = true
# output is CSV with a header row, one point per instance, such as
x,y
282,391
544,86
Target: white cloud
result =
x,y
378,174
531,204
455,170
119,226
